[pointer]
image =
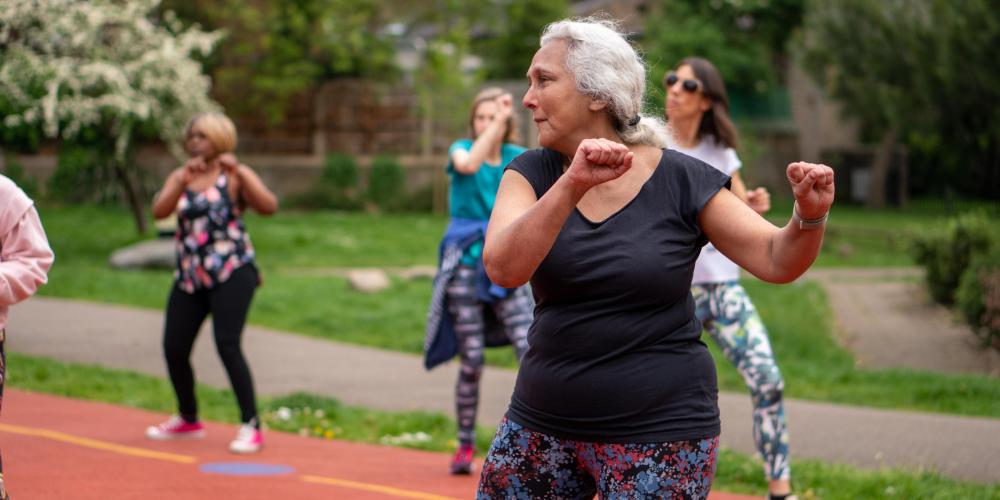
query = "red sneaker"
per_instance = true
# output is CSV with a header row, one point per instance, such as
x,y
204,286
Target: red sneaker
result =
x,y
462,462
249,439
176,428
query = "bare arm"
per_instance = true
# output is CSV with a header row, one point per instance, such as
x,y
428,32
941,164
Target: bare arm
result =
x,y
249,186
468,162
773,254
737,186
255,192
758,199
165,201
523,228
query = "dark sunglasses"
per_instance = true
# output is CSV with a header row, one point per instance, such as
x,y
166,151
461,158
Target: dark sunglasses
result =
x,y
690,85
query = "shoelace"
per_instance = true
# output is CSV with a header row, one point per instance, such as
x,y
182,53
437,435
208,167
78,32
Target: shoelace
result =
x,y
172,424
247,433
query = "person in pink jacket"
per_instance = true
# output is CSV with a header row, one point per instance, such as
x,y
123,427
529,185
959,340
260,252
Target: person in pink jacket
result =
x,y
25,258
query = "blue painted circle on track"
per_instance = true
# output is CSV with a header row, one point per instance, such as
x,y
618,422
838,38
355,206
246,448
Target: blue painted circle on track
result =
x,y
246,469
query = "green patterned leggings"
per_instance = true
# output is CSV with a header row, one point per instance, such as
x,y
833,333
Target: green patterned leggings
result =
x,y
729,317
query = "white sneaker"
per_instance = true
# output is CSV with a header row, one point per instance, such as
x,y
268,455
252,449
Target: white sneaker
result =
x,y
249,439
175,428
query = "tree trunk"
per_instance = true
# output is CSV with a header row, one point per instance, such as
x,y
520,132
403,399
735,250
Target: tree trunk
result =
x,y
131,189
881,164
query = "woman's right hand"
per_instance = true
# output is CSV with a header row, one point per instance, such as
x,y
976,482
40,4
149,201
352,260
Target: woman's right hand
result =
x,y
598,161
192,167
505,103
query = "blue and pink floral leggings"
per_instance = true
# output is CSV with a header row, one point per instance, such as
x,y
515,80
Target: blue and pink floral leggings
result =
x,y
525,464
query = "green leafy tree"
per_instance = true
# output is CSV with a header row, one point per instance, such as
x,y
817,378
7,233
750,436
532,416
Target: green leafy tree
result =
x,y
512,30
105,71
921,72
276,49
444,82
745,39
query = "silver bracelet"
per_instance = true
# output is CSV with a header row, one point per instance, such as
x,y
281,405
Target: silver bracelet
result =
x,y
807,224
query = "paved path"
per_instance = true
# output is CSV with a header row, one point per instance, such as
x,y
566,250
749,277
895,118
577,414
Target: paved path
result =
x,y
128,338
887,319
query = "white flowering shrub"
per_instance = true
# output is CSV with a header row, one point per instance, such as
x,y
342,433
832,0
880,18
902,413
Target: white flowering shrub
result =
x,y
68,65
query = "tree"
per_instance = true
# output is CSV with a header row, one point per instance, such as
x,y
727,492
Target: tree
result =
x,y
918,71
276,49
515,27
104,69
746,40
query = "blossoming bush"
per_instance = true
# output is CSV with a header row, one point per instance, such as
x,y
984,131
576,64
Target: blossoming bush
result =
x,y
101,69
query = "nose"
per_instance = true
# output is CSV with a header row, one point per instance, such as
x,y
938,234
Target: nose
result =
x,y
528,100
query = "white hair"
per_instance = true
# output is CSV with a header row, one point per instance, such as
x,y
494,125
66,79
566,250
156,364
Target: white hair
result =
x,y
607,68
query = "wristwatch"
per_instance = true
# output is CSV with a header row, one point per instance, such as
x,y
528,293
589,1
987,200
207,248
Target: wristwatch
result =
x,y
807,224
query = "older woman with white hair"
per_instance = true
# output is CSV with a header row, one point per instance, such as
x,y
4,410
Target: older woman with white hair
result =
x,y
617,395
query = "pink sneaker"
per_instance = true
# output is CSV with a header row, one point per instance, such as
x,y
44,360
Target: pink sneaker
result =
x,y
462,462
175,428
249,439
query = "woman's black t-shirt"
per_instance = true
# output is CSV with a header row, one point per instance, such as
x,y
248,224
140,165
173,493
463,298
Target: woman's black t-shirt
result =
x,y
614,352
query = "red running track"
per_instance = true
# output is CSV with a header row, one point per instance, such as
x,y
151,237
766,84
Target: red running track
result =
x,y
56,448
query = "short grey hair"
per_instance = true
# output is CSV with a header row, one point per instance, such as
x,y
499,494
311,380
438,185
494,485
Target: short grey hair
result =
x,y
607,68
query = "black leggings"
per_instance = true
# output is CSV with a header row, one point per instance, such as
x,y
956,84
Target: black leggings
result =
x,y
228,303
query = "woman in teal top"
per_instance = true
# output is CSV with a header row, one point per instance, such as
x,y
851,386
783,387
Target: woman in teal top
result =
x,y
475,167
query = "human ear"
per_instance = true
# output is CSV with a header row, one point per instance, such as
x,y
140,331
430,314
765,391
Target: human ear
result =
x,y
597,104
706,104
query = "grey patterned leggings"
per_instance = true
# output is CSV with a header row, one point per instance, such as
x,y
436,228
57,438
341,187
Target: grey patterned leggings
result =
x,y
726,312
515,312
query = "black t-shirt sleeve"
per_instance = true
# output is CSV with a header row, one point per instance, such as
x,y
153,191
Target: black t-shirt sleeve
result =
x,y
541,167
694,183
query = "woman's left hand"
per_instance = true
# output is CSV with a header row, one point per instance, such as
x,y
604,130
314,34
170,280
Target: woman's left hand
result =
x,y
812,185
229,163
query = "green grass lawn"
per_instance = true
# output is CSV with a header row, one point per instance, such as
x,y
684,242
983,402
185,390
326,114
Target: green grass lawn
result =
x,y
857,236
326,418
297,296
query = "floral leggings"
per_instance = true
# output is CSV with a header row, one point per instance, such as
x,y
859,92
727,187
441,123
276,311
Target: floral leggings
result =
x,y
726,312
515,312
528,464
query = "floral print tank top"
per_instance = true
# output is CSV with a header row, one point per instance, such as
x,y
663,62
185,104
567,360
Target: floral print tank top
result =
x,y
211,238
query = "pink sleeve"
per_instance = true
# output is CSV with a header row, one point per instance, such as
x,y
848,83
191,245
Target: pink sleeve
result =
x,y
25,259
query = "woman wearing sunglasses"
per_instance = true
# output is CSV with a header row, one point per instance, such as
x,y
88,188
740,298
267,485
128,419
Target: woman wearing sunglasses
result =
x,y
697,111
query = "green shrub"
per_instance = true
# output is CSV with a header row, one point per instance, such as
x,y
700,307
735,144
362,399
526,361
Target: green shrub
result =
x,y
385,183
15,172
420,200
340,171
82,175
337,188
978,296
946,254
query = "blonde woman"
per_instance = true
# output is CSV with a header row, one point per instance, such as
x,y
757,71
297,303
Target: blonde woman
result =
x,y
468,312
216,274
